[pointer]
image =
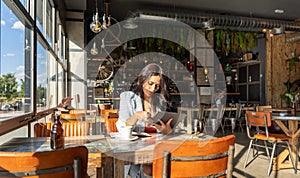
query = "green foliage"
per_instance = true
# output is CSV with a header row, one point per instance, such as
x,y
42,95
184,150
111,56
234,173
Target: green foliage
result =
x,y
292,92
8,86
292,63
231,41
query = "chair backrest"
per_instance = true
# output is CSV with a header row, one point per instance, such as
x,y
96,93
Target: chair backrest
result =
x,y
220,112
259,118
217,113
77,111
71,128
68,162
191,158
110,124
201,112
262,108
42,129
239,108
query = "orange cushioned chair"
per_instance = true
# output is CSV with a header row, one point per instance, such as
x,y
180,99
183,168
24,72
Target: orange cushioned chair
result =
x,y
194,158
263,119
63,163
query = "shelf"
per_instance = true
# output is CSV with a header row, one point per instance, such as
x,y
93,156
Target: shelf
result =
x,y
249,83
251,62
232,93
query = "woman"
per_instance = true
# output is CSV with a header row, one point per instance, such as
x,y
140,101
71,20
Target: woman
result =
x,y
148,94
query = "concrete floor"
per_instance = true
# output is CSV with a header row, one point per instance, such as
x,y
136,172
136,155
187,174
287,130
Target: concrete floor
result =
x,y
258,167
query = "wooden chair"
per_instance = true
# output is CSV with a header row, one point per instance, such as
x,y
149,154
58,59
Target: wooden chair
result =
x,y
263,119
63,163
194,158
74,114
274,128
262,108
71,128
111,117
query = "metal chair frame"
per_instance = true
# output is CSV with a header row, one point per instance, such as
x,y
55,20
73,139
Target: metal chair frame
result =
x,y
235,118
263,119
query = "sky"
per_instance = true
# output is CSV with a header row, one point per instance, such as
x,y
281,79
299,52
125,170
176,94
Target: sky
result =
x,y
12,47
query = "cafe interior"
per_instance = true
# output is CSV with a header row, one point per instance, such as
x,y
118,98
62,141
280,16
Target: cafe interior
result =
x,y
232,71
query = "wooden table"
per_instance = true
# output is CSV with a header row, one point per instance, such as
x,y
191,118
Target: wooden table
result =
x,y
279,110
246,108
96,144
138,152
294,132
108,155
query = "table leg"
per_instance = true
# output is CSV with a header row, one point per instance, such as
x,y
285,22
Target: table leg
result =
x,y
281,162
107,166
119,168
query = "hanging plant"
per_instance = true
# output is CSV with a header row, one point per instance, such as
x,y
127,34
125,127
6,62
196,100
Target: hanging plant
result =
x,y
223,39
218,38
241,40
235,44
227,43
251,40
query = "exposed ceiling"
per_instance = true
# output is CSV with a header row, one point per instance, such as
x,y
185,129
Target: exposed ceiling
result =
x,y
122,9
248,8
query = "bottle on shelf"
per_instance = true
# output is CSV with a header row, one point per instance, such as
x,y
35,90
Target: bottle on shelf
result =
x,y
57,133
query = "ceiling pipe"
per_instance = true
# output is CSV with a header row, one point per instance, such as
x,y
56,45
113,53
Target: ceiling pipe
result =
x,y
292,38
196,19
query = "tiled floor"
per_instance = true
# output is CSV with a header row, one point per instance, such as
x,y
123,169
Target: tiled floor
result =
x,y
257,168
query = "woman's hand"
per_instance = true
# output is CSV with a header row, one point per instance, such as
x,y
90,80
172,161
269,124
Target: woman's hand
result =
x,y
164,128
139,116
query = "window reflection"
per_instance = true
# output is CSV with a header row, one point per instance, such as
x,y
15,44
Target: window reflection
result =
x,y
15,65
39,15
41,90
49,24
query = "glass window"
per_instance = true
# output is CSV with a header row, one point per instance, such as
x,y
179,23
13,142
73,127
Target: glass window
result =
x,y
15,65
23,2
61,89
49,26
41,90
39,15
52,89
61,44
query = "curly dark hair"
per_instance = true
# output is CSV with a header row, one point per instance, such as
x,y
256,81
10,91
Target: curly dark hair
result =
x,y
162,94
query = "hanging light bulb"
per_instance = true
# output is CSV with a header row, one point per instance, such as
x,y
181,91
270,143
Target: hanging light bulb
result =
x,y
95,26
205,72
206,79
104,25
102,44
109,21
94,50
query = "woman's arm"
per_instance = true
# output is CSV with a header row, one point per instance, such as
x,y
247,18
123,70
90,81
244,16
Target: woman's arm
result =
x,y
130,110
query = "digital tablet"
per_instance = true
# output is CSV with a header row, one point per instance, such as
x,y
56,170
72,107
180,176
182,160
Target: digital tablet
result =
x,y
165,116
